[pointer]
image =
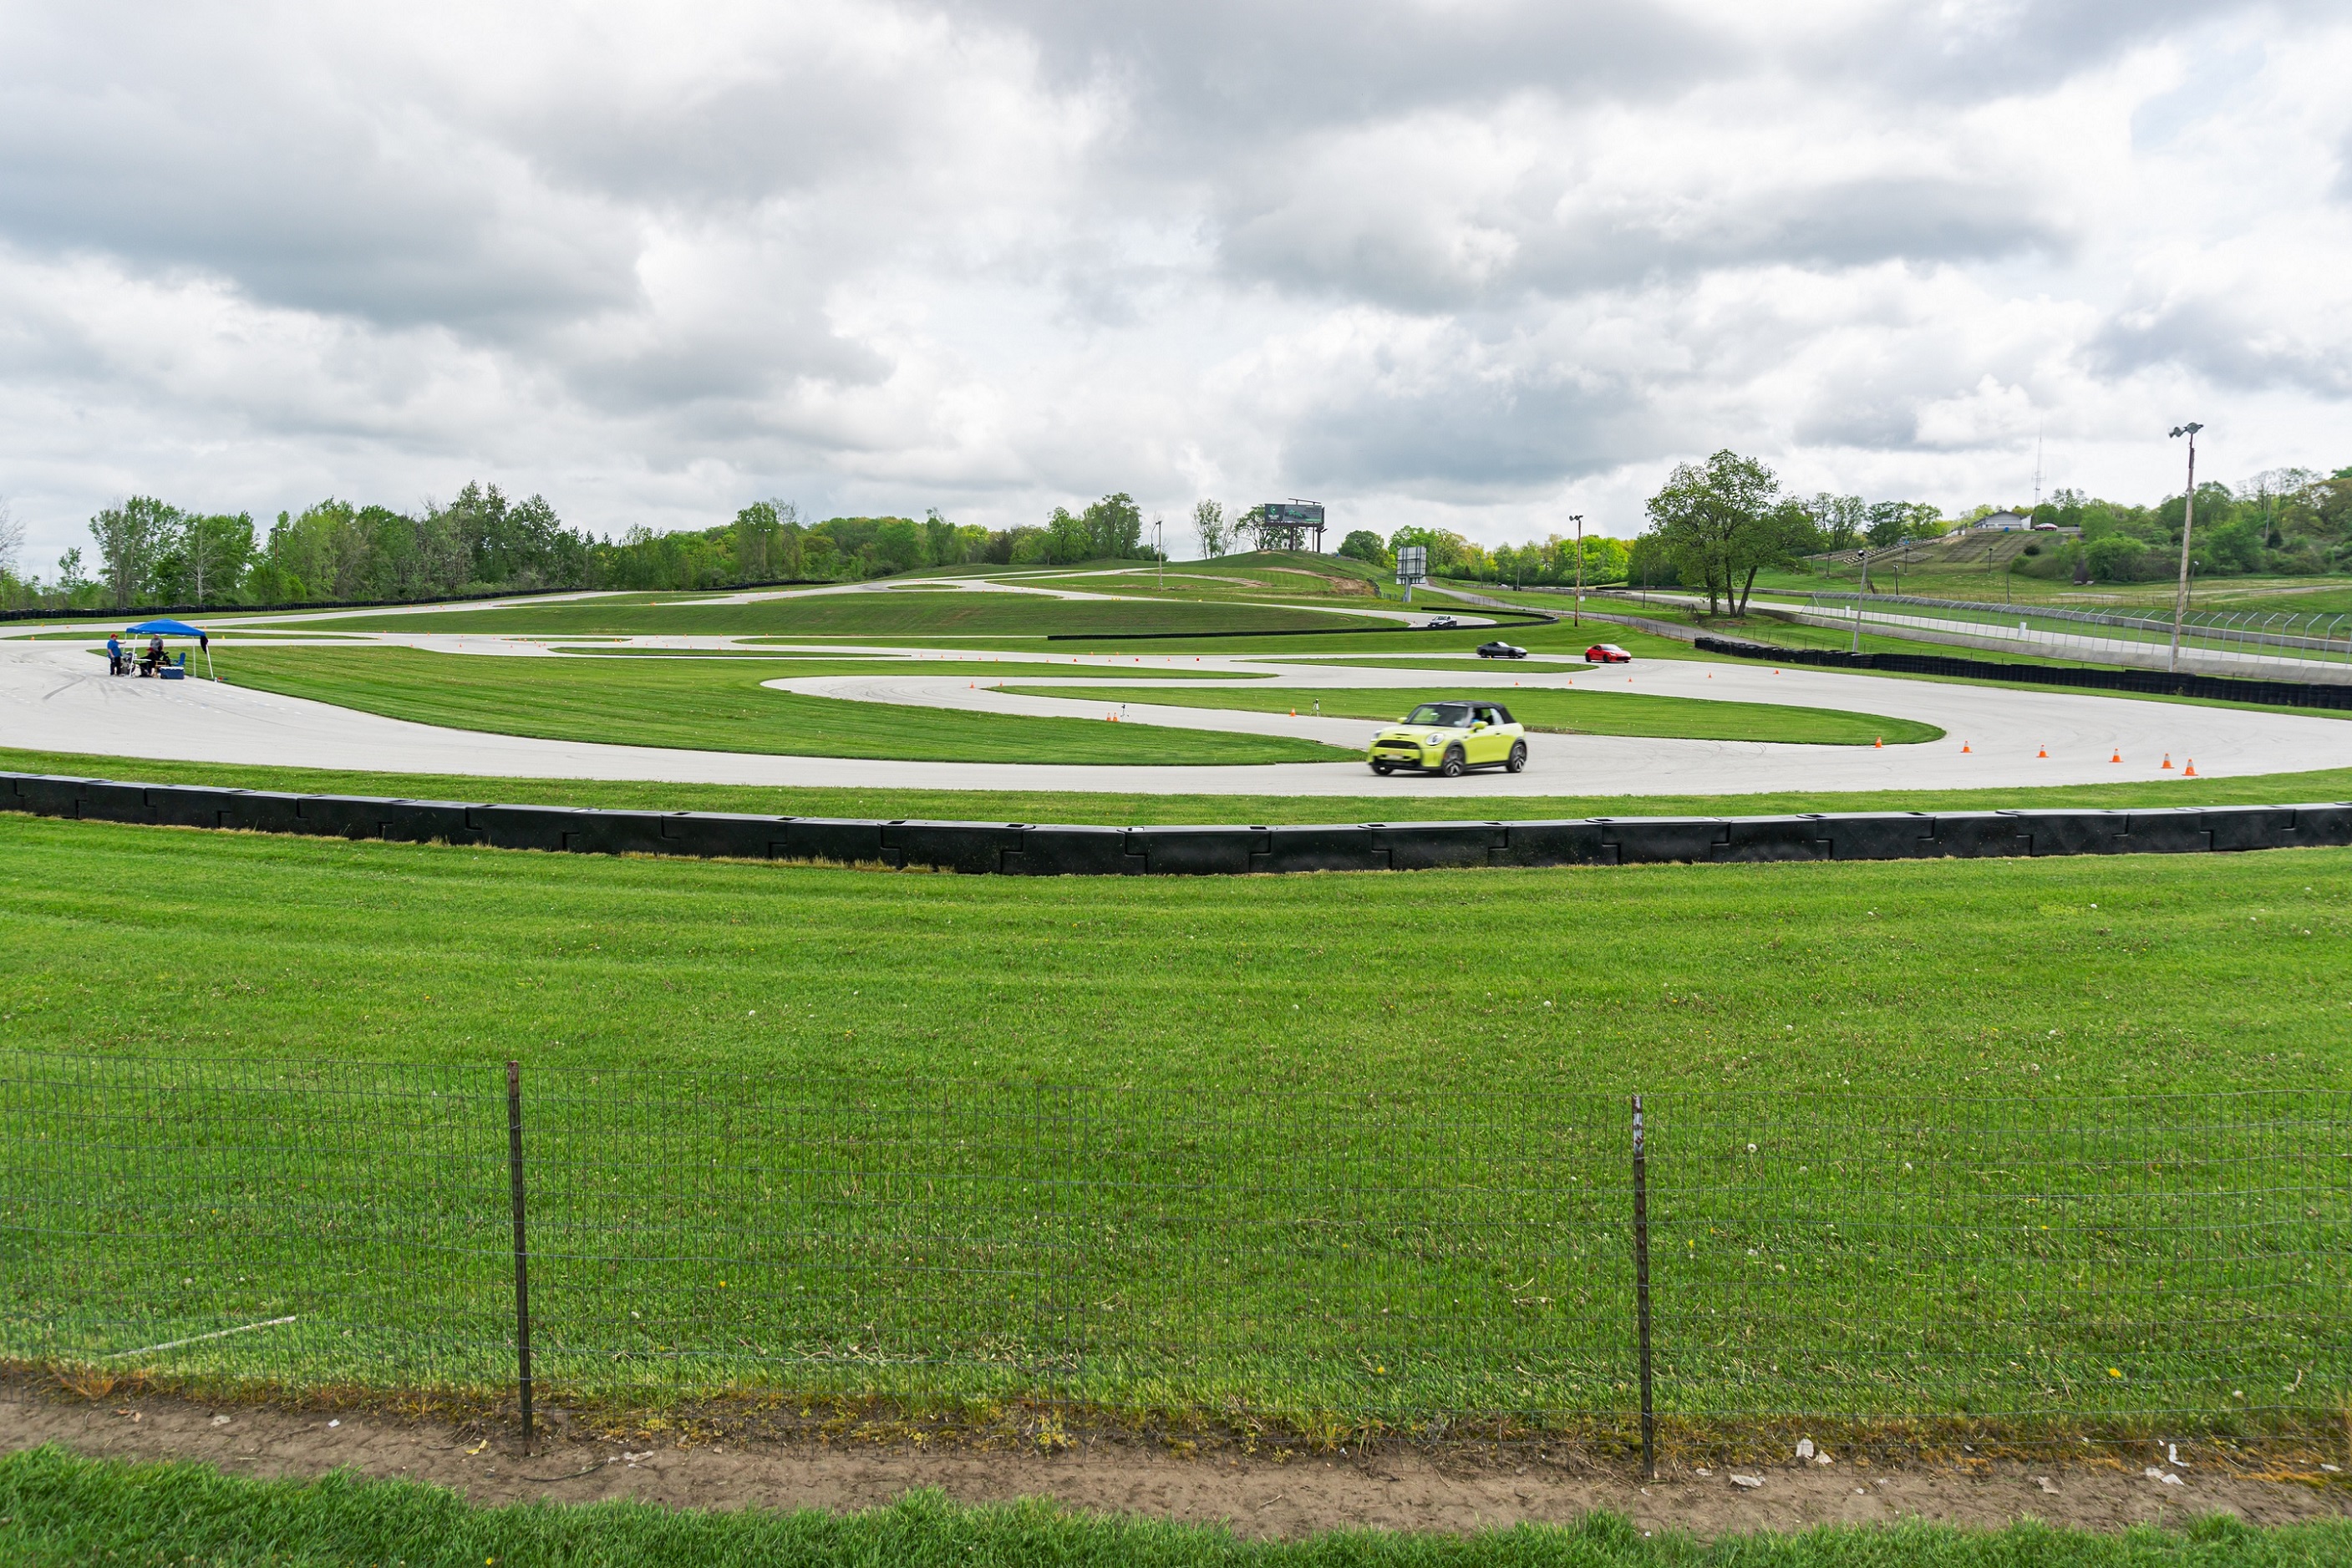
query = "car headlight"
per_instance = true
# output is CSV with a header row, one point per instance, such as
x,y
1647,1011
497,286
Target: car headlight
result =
x,y
1434,740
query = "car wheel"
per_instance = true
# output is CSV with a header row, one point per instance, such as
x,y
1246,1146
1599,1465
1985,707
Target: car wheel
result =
x,y
1381,769
1518,762
1454,767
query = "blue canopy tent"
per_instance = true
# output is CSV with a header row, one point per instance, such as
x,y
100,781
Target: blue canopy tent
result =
x,y
168,628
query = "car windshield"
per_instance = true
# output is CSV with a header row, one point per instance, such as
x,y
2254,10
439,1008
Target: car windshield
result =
x,y
1445,715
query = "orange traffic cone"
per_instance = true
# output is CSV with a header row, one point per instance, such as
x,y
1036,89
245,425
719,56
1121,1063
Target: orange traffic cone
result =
x,y
1964,747
1879,743
2118,756
2189,772
2167,763
2044,752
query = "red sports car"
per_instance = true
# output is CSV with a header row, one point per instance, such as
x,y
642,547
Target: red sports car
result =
x,y
1607,653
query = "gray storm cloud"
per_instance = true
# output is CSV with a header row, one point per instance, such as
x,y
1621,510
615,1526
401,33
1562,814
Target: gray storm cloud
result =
x,y
1475,263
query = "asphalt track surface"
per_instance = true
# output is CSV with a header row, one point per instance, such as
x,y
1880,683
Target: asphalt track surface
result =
x,y
57,697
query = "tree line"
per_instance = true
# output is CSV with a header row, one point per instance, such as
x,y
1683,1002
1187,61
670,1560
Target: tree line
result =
x,y
1551,560
1716,525
146,551
2286,522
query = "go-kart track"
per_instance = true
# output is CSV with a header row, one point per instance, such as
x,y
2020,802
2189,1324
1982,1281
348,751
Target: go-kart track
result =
x,y
54,695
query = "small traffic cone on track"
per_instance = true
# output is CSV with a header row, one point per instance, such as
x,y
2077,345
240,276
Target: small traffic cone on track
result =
x,y
1879,743
2044,752
2167,763
2118,756
2189,772
1964,748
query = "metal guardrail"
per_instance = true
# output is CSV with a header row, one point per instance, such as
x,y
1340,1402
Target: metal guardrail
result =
x,y
1023,848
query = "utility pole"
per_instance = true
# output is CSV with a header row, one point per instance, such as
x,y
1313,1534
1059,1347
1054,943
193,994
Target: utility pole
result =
x,y
2188,522
1160,548
1577,613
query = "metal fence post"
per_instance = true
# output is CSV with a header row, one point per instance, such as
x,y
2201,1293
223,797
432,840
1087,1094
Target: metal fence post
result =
x,y
522,1251
1641,1290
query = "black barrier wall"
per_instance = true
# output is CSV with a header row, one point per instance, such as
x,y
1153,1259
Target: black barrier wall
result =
x,y
2210,688
1025,848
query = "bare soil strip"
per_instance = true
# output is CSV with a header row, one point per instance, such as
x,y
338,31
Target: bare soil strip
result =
x,y
1259,1495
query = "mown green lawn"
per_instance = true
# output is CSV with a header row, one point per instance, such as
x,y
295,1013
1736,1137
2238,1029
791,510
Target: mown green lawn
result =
x,y
1321,1148
60,1508
712,705
1073,806
1600,712
889,614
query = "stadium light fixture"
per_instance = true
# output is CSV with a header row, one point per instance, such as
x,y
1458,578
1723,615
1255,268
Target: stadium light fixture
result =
x,y
2188,522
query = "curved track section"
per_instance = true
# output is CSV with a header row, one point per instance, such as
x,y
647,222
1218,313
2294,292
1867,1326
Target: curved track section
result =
x,y
55,697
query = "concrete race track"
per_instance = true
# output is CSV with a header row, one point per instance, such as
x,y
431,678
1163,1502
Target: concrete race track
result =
x,y
56,697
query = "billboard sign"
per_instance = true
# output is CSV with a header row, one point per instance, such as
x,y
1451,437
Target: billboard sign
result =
x,y
1413,563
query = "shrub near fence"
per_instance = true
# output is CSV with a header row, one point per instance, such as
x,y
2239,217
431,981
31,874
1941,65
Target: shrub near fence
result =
x,y
1380,1262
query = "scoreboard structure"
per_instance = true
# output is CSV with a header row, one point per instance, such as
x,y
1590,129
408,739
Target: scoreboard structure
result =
x,y
1287,525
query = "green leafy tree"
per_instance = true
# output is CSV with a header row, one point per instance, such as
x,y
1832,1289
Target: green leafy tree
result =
x,y
1209,522
1113,527
940,546
132,538
1890,522
1449,552
1716,521
1841,519
1366,546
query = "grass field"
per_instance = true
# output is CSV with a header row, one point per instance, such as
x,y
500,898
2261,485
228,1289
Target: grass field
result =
x,y
1328,1149
1560,711
713,706
891,614
59,1508
66,1508
1056,806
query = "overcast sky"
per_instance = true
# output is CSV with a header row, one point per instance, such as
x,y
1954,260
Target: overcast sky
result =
x,y
1480,265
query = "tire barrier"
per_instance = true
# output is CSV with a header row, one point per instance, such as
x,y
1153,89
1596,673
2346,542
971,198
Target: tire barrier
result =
x,y
1025,848
2210,688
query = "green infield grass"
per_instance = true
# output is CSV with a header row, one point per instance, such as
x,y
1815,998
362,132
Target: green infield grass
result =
x,y
988,668
1557,712
713,706
893,614
1315,1149
58,1507
1392,804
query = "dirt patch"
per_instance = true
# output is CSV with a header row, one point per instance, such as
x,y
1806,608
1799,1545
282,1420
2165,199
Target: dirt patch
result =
x,y
1255,1495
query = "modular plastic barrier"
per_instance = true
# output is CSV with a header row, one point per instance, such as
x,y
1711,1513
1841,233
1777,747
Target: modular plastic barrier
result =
x,y
1027,848
2209,688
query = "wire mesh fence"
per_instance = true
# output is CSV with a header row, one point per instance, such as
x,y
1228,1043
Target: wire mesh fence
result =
x,y
2288,643
1404,1262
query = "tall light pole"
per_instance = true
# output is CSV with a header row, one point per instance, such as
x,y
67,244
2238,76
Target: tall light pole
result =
x,y
1160,548
2188,522
1576,612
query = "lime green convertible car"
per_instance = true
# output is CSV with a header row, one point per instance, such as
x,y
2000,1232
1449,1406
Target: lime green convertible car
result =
x,y
1452,738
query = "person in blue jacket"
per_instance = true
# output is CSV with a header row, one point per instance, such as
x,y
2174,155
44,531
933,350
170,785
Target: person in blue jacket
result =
x,y
113,654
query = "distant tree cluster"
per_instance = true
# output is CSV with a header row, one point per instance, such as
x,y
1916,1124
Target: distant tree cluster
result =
x,y
148,551
2288,522
1717,524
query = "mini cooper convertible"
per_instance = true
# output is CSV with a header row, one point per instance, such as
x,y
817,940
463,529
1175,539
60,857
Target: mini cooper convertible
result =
x,y
1451,739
